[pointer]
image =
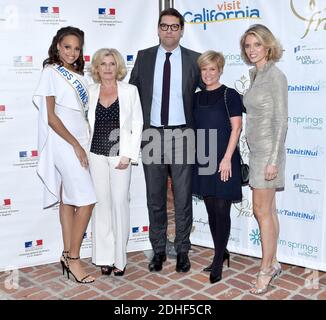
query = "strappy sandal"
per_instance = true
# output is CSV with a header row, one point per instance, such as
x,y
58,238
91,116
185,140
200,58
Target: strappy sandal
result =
x,y
64,262
270,272
84,279
278,271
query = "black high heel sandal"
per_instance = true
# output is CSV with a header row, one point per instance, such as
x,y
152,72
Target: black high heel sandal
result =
x,y
107,270
84,279
226,256
119,273
64,262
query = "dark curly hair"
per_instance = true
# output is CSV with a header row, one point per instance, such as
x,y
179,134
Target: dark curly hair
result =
x,y
53,51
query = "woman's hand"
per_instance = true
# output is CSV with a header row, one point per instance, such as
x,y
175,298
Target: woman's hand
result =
x,y
225,169
270,172
123,163
81,155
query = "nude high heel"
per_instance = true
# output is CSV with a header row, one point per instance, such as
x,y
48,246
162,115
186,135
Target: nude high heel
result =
x,y
269,272
278,271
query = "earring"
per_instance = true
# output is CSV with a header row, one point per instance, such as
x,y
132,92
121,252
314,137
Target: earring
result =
x,y
58,54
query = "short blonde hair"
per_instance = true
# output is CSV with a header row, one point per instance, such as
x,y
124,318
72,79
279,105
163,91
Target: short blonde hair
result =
x,y
98,58
266,38
211,56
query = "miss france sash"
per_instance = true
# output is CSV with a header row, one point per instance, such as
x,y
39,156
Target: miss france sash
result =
x,y
78,86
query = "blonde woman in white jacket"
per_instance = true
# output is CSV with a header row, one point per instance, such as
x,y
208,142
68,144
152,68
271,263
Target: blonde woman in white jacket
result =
x,y
116,122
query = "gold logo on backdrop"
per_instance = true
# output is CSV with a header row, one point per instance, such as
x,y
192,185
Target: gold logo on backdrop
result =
x,y
312,4
244,208
313,19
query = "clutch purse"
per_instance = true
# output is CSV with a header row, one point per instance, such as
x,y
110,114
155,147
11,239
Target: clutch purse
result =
x,y
244,171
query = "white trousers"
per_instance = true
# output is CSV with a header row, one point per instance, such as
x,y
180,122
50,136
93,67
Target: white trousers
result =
x,y
111,215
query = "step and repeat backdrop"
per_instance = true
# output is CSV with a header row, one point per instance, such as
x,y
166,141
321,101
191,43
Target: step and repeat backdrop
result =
x,y
300,25
30,235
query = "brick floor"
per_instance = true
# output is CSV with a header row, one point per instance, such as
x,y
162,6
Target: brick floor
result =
x,y
47,283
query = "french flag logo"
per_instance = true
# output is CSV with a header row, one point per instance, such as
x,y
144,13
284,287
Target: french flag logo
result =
x,y
7,202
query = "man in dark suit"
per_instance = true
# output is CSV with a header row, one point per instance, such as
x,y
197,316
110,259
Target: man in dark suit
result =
x,y
167,76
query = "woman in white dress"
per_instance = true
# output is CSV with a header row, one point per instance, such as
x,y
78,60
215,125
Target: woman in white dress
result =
x,y
116,122
62,100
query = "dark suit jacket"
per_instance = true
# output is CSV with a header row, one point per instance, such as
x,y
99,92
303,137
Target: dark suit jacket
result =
x,y
142,76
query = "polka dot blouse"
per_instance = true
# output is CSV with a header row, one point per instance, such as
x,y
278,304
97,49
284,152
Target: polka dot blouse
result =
x,y
106,130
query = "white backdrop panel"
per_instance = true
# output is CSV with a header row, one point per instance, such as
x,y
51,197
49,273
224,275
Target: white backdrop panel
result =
x,y
218,25
29,235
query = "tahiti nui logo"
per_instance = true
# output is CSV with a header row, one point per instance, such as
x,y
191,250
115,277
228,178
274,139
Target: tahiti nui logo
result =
x,y
311,15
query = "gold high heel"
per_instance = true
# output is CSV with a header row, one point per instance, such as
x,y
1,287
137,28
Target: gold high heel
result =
x,y
269,272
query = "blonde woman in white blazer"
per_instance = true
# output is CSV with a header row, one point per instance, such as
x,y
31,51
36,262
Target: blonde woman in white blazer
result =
x,y
116,123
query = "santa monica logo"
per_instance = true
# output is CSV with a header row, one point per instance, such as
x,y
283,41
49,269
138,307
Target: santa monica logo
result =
x,y
224,11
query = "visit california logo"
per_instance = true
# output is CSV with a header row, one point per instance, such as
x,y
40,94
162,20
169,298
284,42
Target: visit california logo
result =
x,y
223,11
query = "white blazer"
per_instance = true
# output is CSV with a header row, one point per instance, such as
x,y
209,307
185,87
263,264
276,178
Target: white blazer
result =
x,y
131,118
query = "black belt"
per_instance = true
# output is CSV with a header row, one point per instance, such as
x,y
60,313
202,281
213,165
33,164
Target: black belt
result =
x,y
171,127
